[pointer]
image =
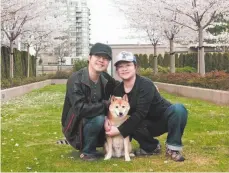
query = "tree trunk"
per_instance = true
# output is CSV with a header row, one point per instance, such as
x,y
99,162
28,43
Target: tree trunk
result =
x,y
198,60
36,54
11,60
155,59
201,54
28,61
172,56
42,69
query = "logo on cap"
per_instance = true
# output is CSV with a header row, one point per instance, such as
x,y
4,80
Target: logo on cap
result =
x,y
124,54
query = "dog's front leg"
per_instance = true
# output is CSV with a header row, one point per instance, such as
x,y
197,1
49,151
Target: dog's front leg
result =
x,y
109,148
126,148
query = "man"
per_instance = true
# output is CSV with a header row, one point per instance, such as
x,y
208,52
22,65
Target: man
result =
x,y
86,103
150,114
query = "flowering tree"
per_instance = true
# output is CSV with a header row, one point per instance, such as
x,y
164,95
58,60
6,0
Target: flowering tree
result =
x,y
152,17
139,17
198,15
41,35
15,14
218,32
31,19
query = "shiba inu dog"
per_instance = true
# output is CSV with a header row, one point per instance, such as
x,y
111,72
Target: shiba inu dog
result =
x,y
118,146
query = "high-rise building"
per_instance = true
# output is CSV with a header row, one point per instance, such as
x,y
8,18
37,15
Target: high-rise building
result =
x,y
79,30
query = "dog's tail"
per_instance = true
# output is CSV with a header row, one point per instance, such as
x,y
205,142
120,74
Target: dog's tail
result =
x,y
62,142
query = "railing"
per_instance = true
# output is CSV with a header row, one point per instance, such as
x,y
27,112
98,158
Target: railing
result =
x,y
52,69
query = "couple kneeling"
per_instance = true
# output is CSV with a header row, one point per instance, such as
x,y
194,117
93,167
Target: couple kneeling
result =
x,y
150,115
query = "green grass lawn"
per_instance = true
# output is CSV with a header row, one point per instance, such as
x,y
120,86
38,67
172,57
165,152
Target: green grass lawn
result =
x,y
31,126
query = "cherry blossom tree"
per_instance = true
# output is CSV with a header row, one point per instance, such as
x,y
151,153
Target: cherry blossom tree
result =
x,y
32,20
198,15
41,35
15,14
151,17
143,21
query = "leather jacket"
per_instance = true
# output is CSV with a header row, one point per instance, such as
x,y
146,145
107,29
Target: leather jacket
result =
x,y
78,104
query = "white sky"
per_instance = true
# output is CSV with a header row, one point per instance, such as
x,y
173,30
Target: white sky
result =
x,y
108,24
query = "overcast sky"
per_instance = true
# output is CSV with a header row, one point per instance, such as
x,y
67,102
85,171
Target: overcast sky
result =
x,y
108,25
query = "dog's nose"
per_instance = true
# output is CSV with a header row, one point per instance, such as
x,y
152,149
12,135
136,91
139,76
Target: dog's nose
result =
x,y
120,114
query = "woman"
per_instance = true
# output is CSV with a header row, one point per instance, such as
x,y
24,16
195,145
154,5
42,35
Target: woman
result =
x,y
150,114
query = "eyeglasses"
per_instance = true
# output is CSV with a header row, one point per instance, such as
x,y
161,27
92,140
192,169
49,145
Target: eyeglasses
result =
x,y
104,57
124,66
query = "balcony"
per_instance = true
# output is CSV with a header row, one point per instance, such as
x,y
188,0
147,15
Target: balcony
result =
x,y
78,21
78,15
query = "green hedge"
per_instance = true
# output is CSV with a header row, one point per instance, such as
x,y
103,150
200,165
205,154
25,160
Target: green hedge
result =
x,y
78,64
20,59
9,83
213,61
213,80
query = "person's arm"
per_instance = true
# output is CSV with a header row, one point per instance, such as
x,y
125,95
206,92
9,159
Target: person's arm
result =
x,y
81,106
144,100
111,79
107,125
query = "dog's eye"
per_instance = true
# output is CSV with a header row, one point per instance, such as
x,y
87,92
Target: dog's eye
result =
x,y
116,106
123,106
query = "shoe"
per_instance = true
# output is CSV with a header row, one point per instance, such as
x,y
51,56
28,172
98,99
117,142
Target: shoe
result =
x,y
174,155
98,154
88,157
141,152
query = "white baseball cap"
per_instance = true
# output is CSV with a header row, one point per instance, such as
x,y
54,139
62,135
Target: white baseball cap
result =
x,y
125,56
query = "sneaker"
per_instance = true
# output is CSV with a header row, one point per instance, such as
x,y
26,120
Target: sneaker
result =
x,y
175,155
98,154
141,152
88,157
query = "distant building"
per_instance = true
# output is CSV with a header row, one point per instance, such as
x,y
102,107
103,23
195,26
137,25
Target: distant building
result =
x,y
79,31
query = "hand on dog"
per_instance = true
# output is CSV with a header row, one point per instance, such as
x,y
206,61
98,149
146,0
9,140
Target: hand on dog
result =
x,y
113,131
107,125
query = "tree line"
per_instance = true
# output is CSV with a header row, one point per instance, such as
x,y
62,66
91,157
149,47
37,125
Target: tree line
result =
x,y
20,59
213,61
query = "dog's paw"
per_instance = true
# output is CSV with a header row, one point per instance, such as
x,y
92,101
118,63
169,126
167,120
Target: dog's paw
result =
x,y
132,155
127,159
107,157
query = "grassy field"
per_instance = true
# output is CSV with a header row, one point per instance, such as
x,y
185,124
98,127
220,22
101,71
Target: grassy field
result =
x,y
31,126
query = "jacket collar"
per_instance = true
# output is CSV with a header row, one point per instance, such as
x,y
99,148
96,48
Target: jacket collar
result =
x,y
86,79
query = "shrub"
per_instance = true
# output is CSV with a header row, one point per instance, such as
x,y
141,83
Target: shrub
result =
x,y
8,83
148,72
186,69
163,69
79,64
213,80
61,75
5,83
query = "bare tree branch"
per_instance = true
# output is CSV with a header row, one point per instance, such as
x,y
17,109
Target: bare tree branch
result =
x,y
213,16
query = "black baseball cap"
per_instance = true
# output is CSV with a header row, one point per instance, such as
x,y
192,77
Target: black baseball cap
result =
x,y
100,48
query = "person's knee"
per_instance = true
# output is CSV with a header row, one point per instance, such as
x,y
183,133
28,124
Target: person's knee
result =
x,y
98,121
180,112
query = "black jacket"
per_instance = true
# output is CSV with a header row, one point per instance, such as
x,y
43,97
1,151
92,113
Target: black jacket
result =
x,y
145,103
78,105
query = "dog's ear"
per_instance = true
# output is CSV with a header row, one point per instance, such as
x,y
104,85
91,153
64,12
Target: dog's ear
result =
x,y
125,97
113,99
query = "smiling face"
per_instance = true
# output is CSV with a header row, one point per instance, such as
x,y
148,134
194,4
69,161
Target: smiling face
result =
x,y
126,70
98,63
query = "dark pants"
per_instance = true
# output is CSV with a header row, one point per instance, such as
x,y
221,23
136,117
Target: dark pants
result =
x,y
173,121
93,130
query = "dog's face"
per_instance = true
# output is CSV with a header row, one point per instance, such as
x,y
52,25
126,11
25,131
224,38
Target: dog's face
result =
x,y
119,107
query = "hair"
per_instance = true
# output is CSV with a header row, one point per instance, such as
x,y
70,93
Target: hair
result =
x,y
135,64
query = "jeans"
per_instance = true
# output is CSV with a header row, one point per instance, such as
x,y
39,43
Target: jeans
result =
x,y
92,129
173,121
